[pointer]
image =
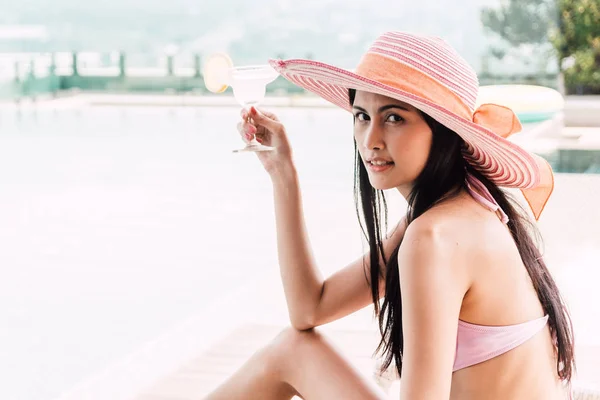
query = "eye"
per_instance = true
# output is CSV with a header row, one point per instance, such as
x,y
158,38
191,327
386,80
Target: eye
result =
x,y
361,116
394,118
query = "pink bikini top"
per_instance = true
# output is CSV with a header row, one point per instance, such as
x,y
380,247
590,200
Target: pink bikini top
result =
x,y
478,343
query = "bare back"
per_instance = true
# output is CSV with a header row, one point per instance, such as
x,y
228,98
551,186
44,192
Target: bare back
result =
x,y
500,293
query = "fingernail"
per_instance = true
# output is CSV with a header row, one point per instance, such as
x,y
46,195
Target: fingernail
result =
x,y
252,110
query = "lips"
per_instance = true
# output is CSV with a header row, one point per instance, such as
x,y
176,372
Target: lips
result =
x,y
379,161
379,165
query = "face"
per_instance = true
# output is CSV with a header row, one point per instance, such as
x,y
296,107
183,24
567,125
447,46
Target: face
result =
x,y
393,140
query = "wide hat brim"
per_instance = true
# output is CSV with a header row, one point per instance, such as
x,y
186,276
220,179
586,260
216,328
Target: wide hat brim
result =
x,y
503,162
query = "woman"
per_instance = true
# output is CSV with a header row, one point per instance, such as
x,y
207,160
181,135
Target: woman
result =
x,y
469,308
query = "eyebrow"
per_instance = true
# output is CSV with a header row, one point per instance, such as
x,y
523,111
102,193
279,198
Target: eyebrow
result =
x,y
383,108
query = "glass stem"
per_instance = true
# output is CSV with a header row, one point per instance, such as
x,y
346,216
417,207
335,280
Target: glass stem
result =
x,y
253,142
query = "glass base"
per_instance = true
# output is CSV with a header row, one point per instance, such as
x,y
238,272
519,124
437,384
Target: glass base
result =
x,y
254,146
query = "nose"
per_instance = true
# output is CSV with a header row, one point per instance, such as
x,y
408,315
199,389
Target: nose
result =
x,y
373,139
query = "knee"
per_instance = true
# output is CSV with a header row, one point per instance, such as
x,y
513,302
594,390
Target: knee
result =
x,y
292,339
287,346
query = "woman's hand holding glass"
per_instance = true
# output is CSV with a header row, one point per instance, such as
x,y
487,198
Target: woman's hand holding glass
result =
x,y
269,131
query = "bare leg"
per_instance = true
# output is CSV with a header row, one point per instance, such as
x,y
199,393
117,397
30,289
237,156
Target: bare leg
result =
x,y
261,377
302,363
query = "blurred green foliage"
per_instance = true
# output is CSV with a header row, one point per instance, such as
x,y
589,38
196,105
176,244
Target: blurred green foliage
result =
x,y
577,42
572,26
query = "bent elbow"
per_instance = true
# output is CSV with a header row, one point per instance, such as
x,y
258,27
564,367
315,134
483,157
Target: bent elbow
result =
x,y
302,324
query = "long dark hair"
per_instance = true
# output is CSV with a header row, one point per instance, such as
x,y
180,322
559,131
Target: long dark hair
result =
x,y
443,177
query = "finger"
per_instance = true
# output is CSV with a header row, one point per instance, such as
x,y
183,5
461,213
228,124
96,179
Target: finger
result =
x,y
246,131
263,120
246,127
268,114
247,122
262,138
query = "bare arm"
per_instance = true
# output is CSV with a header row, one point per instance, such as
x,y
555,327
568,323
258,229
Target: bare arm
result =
x,y
347,290
312,300
433,286
302,280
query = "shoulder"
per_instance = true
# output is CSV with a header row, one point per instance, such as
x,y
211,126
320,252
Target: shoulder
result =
x,y
459,223
433,250
435,229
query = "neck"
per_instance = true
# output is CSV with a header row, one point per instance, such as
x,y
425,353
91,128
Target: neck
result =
x,y
405,190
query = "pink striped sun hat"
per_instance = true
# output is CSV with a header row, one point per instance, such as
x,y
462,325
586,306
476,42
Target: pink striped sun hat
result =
x,y
429,74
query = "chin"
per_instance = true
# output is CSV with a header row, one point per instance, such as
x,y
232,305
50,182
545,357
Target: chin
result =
x,y
383,184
